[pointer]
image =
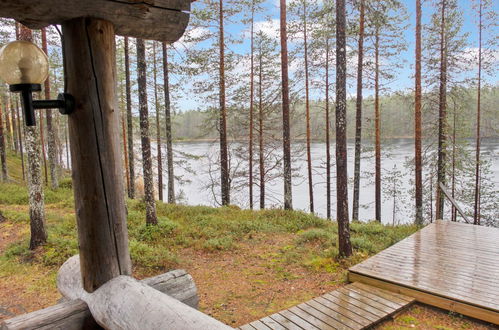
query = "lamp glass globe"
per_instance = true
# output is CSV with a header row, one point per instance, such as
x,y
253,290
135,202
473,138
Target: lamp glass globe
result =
x,y
22,62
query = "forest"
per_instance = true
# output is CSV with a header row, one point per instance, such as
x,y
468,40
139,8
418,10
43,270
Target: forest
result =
x,y
315,142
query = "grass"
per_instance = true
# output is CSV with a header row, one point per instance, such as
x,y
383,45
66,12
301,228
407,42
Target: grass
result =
x,y
269,260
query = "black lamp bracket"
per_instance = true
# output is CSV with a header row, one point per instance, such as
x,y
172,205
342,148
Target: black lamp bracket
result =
x,y
65,102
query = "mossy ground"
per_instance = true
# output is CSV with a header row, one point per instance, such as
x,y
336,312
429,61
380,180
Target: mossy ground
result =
x,y
246,264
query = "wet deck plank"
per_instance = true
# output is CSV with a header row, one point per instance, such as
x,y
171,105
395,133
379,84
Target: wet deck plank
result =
x,y
449,265
355,306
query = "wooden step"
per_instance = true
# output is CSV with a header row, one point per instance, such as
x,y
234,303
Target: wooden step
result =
x,y
354,306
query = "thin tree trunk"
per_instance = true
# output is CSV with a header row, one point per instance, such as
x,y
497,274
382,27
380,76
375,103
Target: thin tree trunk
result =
x,y
52,148
358,115
442,119
261,155
224,163
9,138
42,142
345,247
377,129
417,121
286,131
453,188
68,160
307,110
129,120
20,136
14,125
168,128
250,162
35,185
476,213
158,131
328,142
151,218
123,137
3,152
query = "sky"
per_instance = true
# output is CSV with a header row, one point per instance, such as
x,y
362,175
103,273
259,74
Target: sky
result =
x,y
403,79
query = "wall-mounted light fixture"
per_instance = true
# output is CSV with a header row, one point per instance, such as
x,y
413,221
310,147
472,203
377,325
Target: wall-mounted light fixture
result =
x,y
25,67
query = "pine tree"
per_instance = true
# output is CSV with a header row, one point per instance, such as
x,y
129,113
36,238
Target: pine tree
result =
x,y
286,130
3,151
417,121
345,247
129,118
168,127
151,218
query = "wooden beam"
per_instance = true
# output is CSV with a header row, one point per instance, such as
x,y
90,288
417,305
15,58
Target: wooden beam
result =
x,y
89,47
162,20
449,197
75,315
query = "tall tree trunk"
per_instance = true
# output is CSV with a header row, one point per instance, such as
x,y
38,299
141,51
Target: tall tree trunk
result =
x,y
68,159
328,142
35,185
224,162
14,125
345,247
151,218
476,213
358,115
52,148
286,130
129,121
42,143
250,147
123,137
168,128
261,156
417,121
453,188
158,131
307,111
20,135
442,118
377,129
9,138
3,151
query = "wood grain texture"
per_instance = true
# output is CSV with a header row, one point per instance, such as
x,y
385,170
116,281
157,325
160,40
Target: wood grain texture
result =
x,y
354,306
74,314
89,46
162,20
450,265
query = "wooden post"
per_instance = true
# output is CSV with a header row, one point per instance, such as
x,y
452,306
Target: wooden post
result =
x,y
89,51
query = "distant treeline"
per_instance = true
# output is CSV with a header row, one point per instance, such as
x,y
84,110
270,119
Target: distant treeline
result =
x,y
397,112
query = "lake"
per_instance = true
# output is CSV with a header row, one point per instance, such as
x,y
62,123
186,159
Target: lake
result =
x,y
396,176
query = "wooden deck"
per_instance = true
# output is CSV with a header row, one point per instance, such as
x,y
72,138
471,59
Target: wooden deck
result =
x,y
355,306
449,265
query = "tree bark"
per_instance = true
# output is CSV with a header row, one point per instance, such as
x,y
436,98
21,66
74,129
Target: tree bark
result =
x,y
358,115
3,152
442,118
328,142
14,125
89,48
158,131
144,135
20,137
476,208
8,136
261,156
377,123
224,164
35,184
42,144
307,111
123,138
417,122
129,120
250,147
52,147
168,128
286,130
345,247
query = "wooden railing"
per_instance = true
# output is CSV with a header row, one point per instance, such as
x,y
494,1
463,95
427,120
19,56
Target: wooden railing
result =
x,y
453,202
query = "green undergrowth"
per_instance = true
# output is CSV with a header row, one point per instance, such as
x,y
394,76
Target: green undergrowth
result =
x,y
310,241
